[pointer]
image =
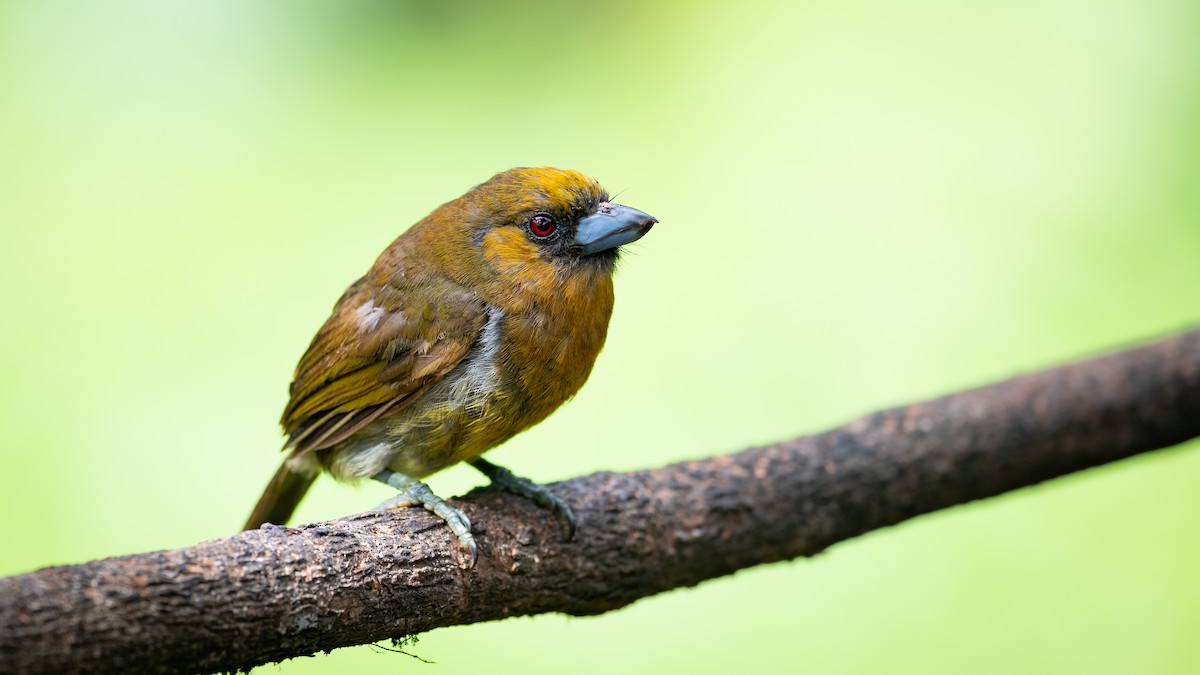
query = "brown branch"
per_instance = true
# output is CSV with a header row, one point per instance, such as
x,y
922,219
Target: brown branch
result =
x,y
280,592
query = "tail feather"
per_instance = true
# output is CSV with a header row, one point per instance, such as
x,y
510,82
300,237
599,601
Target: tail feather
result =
x,y
283,494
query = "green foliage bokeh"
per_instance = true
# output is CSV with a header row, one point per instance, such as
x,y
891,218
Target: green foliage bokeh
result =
x,y
862,204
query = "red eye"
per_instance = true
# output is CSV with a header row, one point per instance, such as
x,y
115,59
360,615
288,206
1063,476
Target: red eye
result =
x,y
542,225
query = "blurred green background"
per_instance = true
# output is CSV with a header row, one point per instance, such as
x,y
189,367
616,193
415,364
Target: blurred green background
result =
x,y
863,204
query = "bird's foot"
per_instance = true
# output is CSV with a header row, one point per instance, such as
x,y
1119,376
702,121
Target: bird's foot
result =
x,y
415,493
507,480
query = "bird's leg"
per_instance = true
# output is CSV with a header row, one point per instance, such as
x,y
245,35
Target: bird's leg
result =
x,y
415,493
506,480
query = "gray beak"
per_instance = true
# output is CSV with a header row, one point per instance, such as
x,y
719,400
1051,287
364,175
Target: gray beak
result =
x,y
612,225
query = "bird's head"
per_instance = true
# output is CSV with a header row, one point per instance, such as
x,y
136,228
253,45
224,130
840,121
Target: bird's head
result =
x,y
560,214
524,219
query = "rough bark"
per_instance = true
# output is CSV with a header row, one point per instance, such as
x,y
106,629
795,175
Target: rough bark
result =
x,y
281,592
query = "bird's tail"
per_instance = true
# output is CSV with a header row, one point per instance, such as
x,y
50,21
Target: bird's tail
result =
x,y
284,492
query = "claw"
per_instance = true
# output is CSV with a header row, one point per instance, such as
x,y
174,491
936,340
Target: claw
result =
x,y
415,493
506,480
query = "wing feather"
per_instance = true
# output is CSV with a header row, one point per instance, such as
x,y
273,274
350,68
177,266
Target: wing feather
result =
x,y
380,350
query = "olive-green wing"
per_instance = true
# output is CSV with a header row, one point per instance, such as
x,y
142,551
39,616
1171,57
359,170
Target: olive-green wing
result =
x,y
382,347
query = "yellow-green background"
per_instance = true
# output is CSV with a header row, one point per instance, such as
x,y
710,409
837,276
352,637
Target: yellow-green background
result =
x,y
862,204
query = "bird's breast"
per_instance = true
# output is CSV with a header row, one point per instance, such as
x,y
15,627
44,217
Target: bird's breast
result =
x,y
550,336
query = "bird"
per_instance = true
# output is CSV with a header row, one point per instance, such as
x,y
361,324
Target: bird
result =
x,y
475,324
